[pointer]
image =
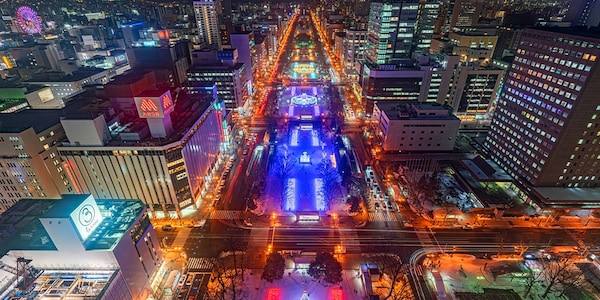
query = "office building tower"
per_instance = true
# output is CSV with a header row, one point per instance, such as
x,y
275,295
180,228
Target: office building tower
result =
x,y
473,90
391,30
232,80
207,23
546,127
246,52
169,63
398,28
30,166
428,12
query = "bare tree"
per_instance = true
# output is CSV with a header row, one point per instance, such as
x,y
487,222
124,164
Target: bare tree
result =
x,y
532,278
331,180
559,275
228,272
285,162
569,280
391,266
283,166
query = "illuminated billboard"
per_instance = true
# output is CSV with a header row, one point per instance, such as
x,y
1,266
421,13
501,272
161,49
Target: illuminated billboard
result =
x,y
154,107
86,217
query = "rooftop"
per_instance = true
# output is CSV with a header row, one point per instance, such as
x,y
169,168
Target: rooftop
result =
x,y
592,32
21,229
188,110
42,119
81,74
569,197
402,110
79,284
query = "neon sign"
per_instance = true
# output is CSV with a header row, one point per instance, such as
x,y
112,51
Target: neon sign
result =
x,y
167,103
149,109
163,34
155,107
86,217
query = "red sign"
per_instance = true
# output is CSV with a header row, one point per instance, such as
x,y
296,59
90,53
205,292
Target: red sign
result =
x,y
148,105
166,101
163,34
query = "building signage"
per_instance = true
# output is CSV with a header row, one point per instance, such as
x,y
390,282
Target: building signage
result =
x,y
154,107
163,34
86,217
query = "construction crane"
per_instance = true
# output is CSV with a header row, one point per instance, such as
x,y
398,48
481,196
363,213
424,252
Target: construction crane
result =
x,y
25,273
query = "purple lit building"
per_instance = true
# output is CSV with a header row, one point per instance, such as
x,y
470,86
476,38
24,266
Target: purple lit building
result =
x,y
546,128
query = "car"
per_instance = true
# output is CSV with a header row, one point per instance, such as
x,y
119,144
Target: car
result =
x,y
167,228
377,206
467,227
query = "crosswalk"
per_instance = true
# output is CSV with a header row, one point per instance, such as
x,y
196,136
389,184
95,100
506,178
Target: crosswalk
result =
x,y
425,238
418,269
382,216
200,264
227,215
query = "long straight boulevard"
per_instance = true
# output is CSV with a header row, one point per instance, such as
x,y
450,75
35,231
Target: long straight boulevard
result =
x,y
274,196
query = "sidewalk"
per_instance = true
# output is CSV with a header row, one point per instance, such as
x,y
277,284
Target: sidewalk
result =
x,y
465,273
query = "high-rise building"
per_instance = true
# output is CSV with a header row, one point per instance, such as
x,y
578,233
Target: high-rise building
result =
x,y
399,28
546,128
232,81
244,43
353,48
391,30
169,63
207,23
473,91
428,12
30,166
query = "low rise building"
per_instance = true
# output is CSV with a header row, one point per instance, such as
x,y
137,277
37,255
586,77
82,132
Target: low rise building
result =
x,y
413,126
162,154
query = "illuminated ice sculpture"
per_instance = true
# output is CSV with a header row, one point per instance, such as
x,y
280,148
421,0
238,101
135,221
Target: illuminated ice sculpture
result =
x,y
305,158
304,100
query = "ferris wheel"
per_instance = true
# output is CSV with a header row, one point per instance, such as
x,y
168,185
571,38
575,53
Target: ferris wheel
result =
x,y
28,20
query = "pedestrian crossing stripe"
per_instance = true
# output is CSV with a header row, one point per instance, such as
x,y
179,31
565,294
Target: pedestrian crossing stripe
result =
x,y
227,215
199,264
382,217
418,269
